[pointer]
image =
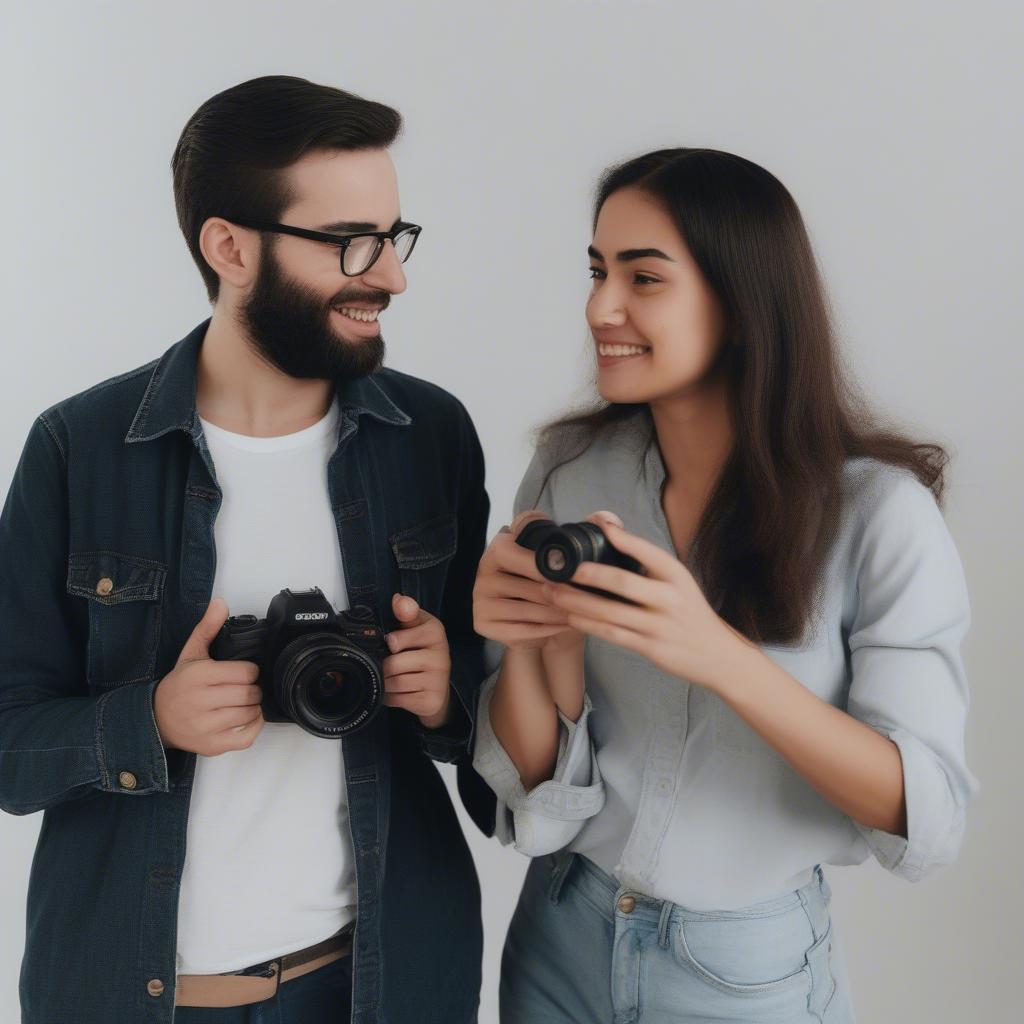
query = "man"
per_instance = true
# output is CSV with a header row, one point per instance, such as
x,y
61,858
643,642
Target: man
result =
x,y
198,861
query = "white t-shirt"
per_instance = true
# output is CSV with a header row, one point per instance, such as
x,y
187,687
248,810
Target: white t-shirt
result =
x,y
268,865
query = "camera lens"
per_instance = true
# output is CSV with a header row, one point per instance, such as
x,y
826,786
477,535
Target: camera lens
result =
x,y
327,685
333,694
555,559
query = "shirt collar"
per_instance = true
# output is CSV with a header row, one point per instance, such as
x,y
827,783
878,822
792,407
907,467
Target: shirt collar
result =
x,y
169,402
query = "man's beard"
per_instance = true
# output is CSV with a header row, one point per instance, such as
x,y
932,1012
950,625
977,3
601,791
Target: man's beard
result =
x,y
290,326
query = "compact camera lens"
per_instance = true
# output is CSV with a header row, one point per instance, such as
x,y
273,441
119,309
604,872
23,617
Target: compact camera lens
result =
x,y
559,555
554,559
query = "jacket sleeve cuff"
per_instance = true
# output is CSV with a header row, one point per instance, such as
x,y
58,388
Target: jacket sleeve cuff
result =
x,y
129,750
449,742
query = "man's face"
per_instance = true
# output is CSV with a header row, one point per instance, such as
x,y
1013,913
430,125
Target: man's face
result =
x,y
302,314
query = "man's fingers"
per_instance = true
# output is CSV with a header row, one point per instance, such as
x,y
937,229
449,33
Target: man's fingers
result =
x,y
429,634
407,611
234,695
407,682
197,646
414,661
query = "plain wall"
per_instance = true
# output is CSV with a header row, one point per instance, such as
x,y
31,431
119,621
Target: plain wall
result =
x,y
895,126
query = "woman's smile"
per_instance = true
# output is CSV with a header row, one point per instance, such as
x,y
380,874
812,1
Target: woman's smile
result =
x,y
613,353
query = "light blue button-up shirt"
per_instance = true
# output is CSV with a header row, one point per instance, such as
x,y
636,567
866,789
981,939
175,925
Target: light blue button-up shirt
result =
x,y
667,789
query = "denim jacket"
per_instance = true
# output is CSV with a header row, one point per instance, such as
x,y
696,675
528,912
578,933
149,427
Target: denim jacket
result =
x,y
116,484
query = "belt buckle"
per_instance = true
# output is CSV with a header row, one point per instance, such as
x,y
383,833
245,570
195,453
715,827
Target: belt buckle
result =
x,y
267,969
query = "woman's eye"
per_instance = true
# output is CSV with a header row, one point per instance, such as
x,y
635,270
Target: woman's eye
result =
x,y
644,279
596,273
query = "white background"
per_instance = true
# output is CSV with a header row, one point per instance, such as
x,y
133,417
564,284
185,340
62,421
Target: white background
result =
x,y
895,126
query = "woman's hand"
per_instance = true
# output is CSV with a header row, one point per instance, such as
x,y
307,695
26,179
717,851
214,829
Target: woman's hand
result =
x,y
508,603
670,622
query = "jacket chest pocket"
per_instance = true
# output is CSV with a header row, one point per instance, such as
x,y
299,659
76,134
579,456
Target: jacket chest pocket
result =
x,y
125,596
422,553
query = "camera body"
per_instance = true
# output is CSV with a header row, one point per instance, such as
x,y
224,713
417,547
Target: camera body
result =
x,y
319,669
559,550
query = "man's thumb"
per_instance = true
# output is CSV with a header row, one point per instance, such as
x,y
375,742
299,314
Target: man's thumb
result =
x,y
197,647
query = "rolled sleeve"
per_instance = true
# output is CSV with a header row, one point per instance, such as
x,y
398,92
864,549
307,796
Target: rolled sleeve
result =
x,y
907,674
549,816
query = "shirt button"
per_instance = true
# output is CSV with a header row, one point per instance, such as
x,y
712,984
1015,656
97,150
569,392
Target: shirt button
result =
x,y
105,586
155,987
127,780
627,904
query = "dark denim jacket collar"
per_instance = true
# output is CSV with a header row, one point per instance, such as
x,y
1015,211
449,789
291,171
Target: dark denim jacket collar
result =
x,y
169,402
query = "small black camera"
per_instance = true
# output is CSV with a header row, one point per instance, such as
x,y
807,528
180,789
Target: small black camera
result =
x,y
559,550
319,668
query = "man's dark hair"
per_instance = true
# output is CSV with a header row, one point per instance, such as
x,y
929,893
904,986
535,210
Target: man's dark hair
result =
x,y
232,152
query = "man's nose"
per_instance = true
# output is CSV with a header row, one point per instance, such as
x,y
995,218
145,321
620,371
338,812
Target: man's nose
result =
x,y
386,273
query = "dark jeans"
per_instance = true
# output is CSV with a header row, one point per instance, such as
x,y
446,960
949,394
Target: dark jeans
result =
x,y
323,996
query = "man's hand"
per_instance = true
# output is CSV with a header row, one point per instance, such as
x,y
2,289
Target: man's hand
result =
x,y
205,706
418,671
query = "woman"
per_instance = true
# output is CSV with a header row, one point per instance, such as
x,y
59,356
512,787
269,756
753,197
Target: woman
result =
x,y
782,688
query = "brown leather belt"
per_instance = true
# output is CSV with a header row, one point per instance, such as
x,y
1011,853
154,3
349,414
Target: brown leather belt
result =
x,y
260,981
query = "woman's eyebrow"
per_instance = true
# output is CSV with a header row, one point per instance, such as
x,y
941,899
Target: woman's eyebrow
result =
x,y
630,254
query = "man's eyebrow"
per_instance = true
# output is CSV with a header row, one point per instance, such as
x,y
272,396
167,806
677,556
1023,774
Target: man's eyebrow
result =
x,y
630,254
348,227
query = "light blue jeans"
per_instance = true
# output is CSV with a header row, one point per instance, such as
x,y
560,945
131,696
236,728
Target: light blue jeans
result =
x,y
583,949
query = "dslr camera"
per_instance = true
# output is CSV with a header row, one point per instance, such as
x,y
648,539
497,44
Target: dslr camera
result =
x,y
558,551
319,668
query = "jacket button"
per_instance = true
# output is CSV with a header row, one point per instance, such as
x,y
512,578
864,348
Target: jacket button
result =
x,y
105,586
127,780
155,987
627,904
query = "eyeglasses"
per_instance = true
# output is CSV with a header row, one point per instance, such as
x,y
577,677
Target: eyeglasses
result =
x,y
359,251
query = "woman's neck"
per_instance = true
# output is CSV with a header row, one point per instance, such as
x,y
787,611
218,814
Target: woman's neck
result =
x,y
695,435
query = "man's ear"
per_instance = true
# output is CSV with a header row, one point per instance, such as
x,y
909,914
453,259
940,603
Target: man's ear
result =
x,y
232,251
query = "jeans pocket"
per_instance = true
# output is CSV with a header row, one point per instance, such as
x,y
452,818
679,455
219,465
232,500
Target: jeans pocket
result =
x,y
747,952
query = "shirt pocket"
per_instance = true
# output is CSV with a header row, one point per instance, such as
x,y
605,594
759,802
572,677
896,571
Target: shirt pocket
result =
x,y
422,554
125,601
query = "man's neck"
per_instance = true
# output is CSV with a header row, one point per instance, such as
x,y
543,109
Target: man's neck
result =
x,y
237,389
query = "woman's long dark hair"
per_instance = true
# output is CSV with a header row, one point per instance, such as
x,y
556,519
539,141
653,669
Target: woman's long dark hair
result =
x,y
765,532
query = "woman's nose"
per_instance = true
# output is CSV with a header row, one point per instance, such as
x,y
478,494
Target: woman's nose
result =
x,y
605,310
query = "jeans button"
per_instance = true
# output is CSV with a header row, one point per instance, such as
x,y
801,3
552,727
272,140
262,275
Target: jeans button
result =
x,y
104,586
627,904
127,780
155,987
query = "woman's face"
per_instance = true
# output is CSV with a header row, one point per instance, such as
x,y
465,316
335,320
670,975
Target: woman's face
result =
x,y
656,324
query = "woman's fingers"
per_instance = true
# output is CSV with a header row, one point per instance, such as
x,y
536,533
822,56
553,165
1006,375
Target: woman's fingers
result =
x,y
503,584
498,609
